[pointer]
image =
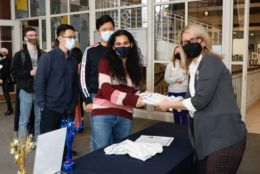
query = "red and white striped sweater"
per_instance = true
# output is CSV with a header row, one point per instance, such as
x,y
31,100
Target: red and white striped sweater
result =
x,y
113,98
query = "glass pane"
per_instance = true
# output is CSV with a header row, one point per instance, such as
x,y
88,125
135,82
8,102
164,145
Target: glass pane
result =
x,y
37,8
44,38
21,9
238,30
55,23
79,5
254,34
58,6
160,86
106,4
132,2
81,24
236,71
134,17
163,0
169,20
112,13
209,15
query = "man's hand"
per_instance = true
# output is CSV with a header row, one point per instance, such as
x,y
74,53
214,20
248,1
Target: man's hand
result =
x,y
33,72
1,81
89,107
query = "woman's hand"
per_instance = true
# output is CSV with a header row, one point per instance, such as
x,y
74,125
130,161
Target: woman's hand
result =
x,y
147,91
140,103
165,105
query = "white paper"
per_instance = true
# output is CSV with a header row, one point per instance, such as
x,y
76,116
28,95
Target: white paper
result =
x,y
156,98
49,152
164,141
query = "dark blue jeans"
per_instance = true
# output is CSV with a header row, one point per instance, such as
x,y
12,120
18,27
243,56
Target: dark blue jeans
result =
x,y
179,116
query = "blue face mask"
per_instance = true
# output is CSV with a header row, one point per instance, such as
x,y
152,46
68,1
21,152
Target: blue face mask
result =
x,y
70,43
123,52
105,35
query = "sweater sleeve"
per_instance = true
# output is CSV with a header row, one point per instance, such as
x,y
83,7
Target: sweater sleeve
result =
x,y
208,77
84,78
109,92
167,75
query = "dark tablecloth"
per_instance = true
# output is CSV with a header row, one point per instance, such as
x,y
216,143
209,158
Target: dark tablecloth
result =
x,y
177,158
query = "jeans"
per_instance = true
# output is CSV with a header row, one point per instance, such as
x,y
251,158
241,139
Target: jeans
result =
x,y
107,129
92,95
179,116
26,102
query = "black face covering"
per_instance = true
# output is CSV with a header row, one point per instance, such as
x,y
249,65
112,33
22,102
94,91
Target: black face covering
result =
x,y
177,56
192,50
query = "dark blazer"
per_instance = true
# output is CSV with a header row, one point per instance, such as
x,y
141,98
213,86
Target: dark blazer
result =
x,y
217,122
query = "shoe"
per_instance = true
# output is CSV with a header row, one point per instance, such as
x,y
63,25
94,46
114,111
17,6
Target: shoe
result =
x,y
9,112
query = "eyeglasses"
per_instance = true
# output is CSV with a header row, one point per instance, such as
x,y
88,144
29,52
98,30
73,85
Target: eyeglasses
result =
x,y
69,37
118,44
192,40
32,35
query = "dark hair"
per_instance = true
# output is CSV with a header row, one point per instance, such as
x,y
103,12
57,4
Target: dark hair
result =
x,y
104,19
133,62
77,54
173,56
27,29
62,28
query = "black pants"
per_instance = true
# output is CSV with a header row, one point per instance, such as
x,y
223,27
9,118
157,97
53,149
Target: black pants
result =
x,y
6,89
51,120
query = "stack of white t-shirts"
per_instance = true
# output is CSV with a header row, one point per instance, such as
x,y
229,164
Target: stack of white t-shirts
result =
x,y
142,151
156,98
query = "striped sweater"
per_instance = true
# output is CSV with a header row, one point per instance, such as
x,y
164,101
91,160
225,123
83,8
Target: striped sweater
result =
x,y
113,98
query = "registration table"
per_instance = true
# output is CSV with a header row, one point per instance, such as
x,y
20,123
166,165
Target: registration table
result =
x,y
177,158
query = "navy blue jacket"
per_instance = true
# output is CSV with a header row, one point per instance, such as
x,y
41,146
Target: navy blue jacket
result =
x,y
89,70
56,81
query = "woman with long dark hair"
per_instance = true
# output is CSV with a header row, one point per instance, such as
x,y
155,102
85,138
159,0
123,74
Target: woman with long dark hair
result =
x,y
119,78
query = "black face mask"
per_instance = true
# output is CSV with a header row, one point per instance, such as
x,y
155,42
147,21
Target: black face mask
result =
x,y
177,56
192,50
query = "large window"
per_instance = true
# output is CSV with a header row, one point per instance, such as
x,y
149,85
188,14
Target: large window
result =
x,y
79,5
55,23
21,9
58,6
37,7
80,23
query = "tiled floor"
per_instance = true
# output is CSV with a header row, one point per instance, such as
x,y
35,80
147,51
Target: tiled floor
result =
x,y
249,165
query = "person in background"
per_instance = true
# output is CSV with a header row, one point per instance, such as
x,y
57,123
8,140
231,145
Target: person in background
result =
x,y
79,112
177,79
56,82
89,67
23,69
119,78
5,78
215,127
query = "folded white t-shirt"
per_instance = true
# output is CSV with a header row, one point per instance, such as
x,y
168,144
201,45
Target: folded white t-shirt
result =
x,y
142,151
156,98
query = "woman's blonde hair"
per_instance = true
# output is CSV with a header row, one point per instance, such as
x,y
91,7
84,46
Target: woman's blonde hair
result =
x,y
197,31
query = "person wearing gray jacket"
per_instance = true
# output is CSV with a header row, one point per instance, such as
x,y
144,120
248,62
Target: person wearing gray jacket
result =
x,y
177,79
216,130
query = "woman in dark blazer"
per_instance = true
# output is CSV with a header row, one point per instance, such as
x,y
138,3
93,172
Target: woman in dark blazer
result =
x,y
216,130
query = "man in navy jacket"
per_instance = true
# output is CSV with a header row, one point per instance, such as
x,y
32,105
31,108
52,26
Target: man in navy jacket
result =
x,y
56,82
